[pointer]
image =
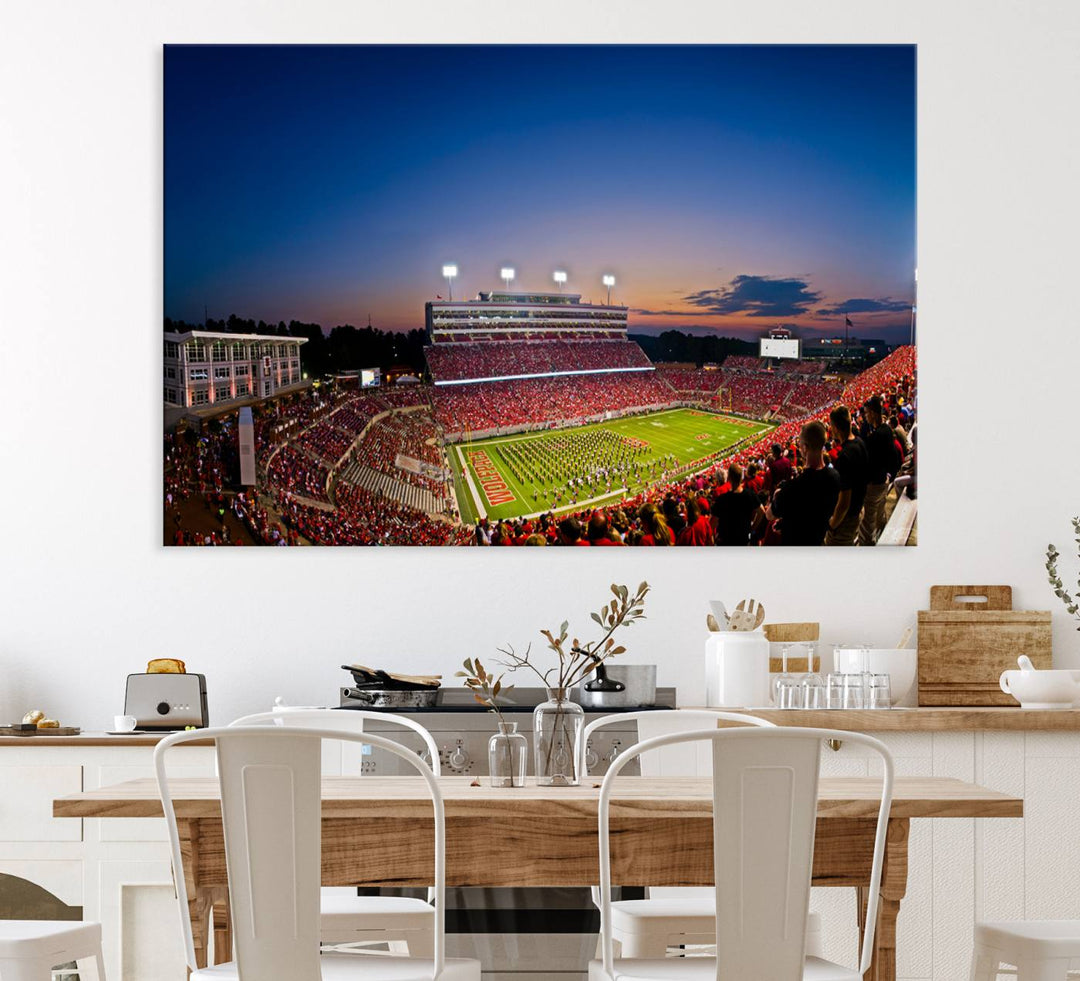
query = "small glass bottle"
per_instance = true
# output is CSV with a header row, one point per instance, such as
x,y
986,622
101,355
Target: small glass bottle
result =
x,y
557,725
508,755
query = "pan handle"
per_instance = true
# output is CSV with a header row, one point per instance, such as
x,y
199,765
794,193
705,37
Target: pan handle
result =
x,y
602,683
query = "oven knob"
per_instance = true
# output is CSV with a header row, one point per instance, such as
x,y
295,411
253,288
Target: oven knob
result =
x,y
458,758
162,708
614,752
591,757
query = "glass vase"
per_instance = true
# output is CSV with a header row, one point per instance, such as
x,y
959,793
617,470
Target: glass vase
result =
x,y
557,725
508,755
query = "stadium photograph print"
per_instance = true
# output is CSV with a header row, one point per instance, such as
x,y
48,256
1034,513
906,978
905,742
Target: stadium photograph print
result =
x,y
585,296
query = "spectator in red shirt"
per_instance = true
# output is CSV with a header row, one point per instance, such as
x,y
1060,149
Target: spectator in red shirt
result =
x,y
599,533
570,532
698,530
779,467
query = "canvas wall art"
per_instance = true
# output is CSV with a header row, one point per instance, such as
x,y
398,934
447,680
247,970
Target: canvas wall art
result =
x,y
582,295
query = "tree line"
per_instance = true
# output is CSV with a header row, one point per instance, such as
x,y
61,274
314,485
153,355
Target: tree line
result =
x,y
349,348
345,348
674,345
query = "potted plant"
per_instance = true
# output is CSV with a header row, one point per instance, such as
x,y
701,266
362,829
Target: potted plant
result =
x,y
557,723
508,750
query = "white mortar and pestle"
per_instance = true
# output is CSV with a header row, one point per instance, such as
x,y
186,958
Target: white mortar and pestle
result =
x,y
1035,689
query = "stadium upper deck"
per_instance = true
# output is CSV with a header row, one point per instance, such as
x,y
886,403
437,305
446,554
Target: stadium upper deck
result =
x,y
523,316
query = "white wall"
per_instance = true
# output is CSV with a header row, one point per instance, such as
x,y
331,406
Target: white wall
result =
x,y
89,595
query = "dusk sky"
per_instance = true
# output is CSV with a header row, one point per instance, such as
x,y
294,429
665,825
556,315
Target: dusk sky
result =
x,y
733,188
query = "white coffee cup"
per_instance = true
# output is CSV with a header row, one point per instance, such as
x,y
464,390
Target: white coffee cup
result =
x,y
124,723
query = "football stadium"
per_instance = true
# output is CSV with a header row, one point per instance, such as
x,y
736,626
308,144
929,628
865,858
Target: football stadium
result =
x,y
537,421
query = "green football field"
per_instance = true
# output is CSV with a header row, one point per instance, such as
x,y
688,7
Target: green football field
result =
x,y
508,476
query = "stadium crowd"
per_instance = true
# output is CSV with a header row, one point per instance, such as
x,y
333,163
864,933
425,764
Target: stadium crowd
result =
x,y
818,480
541,401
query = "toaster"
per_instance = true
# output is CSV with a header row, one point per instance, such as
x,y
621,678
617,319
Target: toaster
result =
x,y
164,702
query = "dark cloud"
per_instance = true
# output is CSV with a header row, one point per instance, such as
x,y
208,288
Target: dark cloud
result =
x,y
883,304
757,296
641,311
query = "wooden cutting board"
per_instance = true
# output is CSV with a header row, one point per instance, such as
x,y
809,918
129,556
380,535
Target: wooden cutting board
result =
x,y
964,645
56,731
793,633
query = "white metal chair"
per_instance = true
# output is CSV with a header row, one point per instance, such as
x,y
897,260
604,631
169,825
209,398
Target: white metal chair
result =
x,y
30,949
271,810
765,790
676,916
1041,950
399,921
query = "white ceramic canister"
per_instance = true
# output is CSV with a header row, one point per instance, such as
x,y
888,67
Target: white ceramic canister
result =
x,y
737,669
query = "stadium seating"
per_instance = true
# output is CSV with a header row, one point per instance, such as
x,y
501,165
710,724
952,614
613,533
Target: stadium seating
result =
x,y
508,358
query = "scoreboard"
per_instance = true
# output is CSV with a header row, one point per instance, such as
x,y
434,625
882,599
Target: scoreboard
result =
x,y
780,347
370,377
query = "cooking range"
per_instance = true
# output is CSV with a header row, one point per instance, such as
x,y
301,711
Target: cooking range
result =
x,y
526,934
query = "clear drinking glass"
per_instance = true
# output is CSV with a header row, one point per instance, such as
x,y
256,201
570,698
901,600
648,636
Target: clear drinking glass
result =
x,y
788,692
785,676
879,694
813,691
508,755
853,691
834,690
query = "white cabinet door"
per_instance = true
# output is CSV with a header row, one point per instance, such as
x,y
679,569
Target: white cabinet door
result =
x,y
26,803
140,922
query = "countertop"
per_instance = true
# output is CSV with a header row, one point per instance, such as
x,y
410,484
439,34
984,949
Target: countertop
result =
x,y
853,720
922,719
86,738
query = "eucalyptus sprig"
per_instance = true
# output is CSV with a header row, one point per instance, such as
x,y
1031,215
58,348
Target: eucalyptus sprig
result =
x,y
578,660
1071,601
486,688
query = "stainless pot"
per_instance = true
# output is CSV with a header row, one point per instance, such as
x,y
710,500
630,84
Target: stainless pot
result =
x,y
619,686
390,698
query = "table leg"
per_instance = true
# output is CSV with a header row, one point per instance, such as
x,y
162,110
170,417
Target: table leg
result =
x,y
207,905
199,914
893,889
222,921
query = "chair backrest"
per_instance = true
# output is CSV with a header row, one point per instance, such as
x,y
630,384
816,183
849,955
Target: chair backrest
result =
x,y
678,761
347,720
271,809
765,791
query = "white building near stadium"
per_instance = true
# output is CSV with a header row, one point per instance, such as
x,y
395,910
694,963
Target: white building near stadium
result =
x,y
205,368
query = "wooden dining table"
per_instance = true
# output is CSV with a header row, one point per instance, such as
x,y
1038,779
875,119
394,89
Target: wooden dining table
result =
x,y
377,832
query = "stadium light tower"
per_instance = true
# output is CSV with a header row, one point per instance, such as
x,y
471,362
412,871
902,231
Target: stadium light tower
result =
x,y
560,277
609,281
507,276
449,272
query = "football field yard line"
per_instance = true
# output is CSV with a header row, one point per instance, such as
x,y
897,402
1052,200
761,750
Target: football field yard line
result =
x,y
671,432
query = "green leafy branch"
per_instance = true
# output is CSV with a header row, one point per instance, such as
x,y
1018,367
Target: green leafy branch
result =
x,y
1071,601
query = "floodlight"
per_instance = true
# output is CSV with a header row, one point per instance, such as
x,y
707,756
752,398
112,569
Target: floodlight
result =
x,y
560,276
449,271
609,281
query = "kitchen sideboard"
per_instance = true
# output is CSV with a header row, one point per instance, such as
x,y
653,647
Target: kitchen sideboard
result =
x,y
961,869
